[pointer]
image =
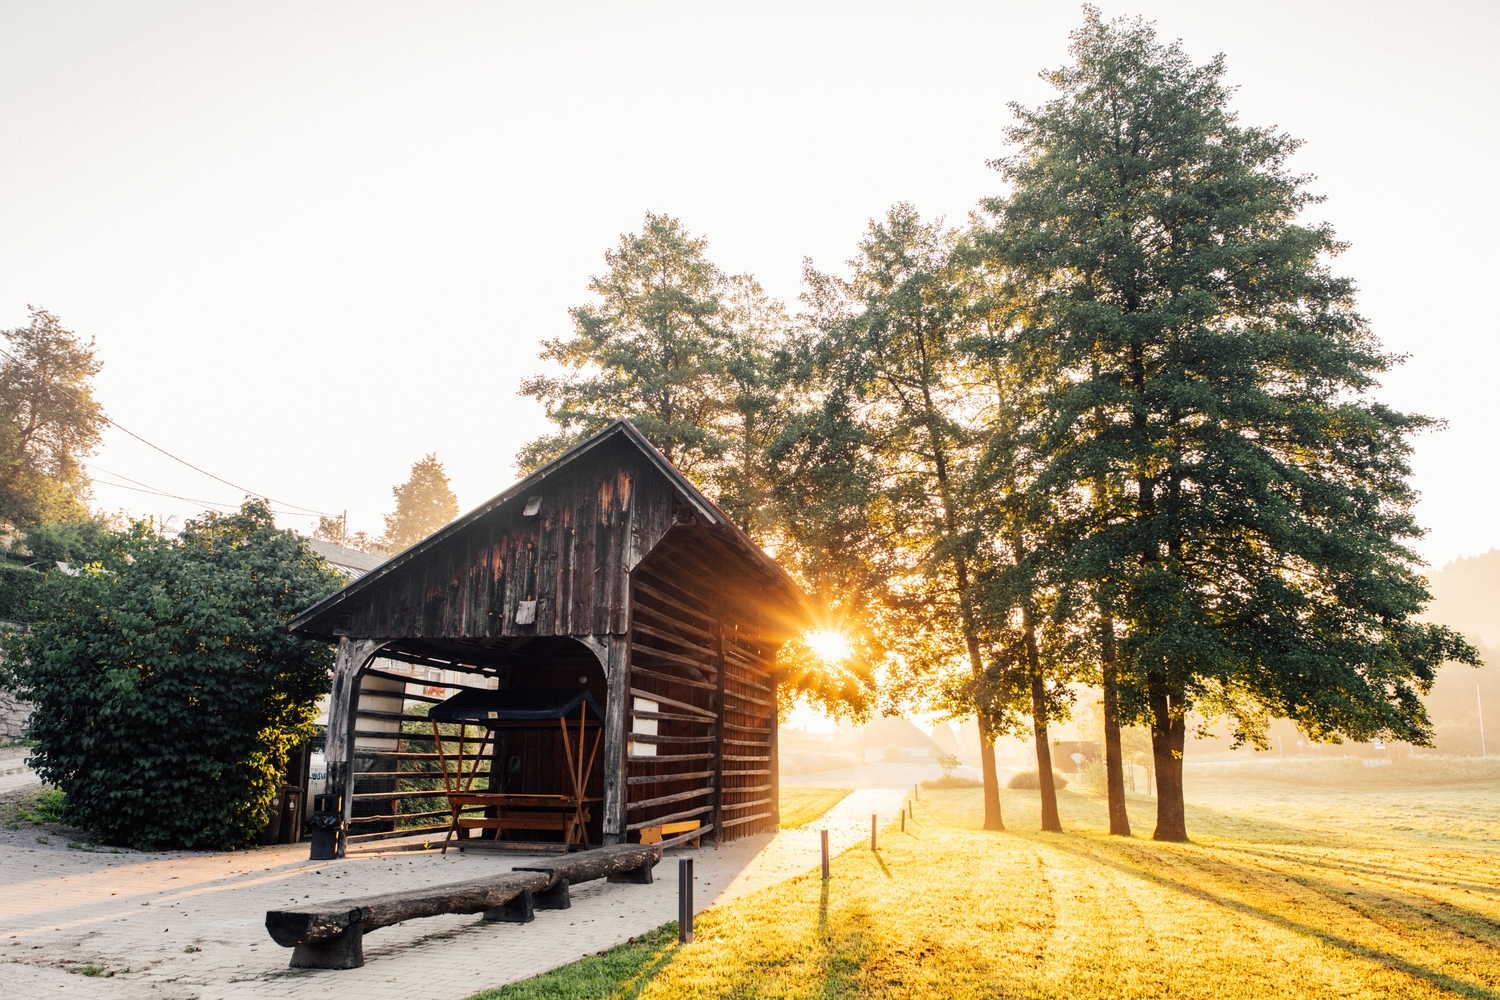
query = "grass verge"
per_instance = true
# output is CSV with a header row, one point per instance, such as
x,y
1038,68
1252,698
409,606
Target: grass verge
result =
x,y
804,803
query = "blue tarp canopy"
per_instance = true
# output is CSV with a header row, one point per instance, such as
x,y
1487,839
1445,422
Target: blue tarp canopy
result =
x,y
513,707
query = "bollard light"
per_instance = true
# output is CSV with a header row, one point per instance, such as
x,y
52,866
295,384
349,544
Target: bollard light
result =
x,y
685,900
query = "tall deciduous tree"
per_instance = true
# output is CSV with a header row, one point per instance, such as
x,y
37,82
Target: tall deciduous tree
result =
x,y
650,348
424,503
1260,560
893,360
49,420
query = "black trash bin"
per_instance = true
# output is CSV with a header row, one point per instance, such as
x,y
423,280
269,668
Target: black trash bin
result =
x,y
327,823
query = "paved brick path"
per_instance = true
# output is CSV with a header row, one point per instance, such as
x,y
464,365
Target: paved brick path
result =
x,y
192,925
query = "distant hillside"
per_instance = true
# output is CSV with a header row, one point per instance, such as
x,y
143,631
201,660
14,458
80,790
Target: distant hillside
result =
x,y
1466,596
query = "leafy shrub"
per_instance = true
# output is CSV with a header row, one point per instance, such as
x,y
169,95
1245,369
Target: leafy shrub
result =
x,y
893,754
17,587
1030,779
167,689
952,781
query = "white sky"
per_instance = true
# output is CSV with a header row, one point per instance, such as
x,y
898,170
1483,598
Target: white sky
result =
x,y
315,241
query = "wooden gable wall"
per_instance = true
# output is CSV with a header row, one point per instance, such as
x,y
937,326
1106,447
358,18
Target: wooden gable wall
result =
x,y
596,520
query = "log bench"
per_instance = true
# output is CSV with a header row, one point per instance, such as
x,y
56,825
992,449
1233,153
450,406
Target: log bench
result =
x,y
331,935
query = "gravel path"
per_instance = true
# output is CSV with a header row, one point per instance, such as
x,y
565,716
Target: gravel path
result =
x,y
67,911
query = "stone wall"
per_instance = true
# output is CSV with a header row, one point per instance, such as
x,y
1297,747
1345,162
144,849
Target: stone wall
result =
x,y
13,716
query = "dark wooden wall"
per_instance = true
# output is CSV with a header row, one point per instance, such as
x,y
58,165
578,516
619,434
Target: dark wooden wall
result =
x,y
697,653
572,558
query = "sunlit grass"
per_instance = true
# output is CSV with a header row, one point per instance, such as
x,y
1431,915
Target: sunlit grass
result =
x,y
1311,894
803,803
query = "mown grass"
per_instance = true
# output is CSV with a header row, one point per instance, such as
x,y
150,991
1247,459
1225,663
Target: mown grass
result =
x,y
1312,898
804,803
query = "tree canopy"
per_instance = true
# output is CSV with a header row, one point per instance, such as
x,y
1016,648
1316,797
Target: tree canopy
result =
x,y
49,420
1209,378
424,503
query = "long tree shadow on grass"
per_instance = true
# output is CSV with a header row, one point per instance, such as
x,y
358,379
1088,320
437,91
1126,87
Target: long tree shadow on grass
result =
x,y
1354,948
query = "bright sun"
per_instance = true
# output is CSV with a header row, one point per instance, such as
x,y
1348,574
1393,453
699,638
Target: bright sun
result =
x,y
831,647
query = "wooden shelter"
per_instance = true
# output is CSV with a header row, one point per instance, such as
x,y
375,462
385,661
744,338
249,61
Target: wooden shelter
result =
x,y
607,571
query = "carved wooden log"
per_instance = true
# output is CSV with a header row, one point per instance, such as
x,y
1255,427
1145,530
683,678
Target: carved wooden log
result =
x,y
330,935
325,921
606,862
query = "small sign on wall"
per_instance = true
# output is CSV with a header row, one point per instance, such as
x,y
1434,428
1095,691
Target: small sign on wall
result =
x,y
645,727
526,612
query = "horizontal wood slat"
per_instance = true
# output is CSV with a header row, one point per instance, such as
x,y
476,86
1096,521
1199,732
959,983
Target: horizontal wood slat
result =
x,y
670,758
752,804
656,779
669,818
668,678
745,819
662,616
662,699
667,599
661,800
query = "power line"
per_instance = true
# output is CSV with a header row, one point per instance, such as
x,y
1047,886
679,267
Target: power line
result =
x,y
174,496
173,457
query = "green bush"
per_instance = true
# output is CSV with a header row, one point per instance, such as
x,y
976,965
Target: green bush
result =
x,y
17,587
167,689
1032,780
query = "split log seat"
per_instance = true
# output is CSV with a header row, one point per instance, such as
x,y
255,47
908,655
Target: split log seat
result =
x,y
331,935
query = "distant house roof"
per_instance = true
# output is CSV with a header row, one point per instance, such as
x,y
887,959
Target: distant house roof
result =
x,y
351,562
894,729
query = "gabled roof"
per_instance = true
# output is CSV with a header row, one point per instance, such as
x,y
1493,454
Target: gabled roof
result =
x,y
705,509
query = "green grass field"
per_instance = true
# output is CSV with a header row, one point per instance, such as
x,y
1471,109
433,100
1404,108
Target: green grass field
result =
x,y
804,803
1289,890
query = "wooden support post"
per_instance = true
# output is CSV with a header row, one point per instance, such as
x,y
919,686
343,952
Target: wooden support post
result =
x,y
824,838
873,819
343,707
519,910
346,950
615,709
775,758
685,901
556,898
719,706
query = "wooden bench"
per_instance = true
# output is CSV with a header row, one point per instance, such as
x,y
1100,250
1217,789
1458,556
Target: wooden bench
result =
x,y
654,834
561,813
331,935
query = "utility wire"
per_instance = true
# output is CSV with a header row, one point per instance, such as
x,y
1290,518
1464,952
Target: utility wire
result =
x,y
173,457
141,487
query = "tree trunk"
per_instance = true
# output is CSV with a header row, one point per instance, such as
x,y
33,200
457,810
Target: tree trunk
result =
x,y
1114,771
992,820
1168,736
1050,821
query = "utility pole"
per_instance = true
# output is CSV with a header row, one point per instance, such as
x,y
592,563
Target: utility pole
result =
x,y
1480,702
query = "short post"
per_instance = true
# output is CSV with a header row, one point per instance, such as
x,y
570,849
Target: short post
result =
x,y
685,901
872,831
825,855
903,821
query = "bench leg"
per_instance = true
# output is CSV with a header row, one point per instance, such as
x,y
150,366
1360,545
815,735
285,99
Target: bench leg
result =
x,y
347,951
555,898
635,876
517,911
